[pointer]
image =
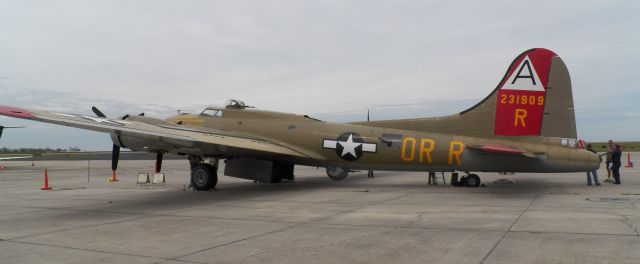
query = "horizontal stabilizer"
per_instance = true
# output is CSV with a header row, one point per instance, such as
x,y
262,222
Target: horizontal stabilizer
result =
x,y
497,149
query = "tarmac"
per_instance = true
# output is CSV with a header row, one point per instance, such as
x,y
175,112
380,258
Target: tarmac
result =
x,y
393,218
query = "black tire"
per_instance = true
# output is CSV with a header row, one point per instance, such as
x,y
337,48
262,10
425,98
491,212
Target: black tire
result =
x,y
337,173
472,180
204,177
461,181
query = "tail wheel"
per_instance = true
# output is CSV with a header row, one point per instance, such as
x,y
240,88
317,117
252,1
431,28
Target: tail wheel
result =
x,y
472,180
204,177
337,173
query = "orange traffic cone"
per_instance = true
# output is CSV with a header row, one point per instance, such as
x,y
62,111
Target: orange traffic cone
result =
x,y
46,181
113,178
628,160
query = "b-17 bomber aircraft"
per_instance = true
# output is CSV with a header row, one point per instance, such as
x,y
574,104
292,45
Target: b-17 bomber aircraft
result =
x,y
527,124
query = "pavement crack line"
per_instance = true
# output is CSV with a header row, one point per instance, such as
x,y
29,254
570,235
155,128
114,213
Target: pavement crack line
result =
x,y
626,221
509,229
182,261
141,217
414,221
312,246
238,240
83,249
288,227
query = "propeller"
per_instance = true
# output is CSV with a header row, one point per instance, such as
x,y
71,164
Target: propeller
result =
x,y
115,156
115,152
97,112
158,161
3,127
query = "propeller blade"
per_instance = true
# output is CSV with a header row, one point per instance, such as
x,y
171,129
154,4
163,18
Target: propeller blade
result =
x,y
115,156
97,112
158,162
3,127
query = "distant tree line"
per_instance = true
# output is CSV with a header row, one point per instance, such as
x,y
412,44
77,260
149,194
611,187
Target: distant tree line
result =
x,y
38,150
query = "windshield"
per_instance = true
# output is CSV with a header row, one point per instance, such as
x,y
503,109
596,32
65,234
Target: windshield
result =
x,y
212,113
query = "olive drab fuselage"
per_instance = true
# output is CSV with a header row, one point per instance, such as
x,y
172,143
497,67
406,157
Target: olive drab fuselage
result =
x,y
357,146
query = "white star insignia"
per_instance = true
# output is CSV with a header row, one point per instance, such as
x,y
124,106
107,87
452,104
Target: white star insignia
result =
x,y
349,146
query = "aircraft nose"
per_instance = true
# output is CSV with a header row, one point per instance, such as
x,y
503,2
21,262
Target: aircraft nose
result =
x,y
591,160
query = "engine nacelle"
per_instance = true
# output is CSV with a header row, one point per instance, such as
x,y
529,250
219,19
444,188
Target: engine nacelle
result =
x,y
131,142
152,143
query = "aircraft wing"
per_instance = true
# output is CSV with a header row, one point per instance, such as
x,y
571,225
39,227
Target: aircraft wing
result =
x,y
186,136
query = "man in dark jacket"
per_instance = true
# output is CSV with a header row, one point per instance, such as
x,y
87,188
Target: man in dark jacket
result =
x,y
616,163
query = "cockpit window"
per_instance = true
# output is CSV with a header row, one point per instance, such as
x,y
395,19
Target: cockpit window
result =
x,y
212,113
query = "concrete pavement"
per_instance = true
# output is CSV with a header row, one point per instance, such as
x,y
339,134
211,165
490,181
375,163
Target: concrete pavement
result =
x,y
392,218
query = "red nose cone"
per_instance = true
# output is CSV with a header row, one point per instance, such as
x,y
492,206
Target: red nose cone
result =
x,y
15,112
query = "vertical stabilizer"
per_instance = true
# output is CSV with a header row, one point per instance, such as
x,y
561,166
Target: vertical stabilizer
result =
x,y
559,118
533,98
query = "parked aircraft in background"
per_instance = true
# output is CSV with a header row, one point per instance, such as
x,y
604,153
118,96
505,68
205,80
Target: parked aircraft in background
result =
x,y
526,124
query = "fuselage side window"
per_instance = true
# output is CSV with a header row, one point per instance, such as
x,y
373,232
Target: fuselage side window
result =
x,y
569,142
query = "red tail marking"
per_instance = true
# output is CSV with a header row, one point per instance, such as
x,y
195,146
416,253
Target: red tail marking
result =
x,y
522,95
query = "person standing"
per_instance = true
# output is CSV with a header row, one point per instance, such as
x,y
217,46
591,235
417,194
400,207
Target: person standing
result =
x,y
608,162
616,163
593,173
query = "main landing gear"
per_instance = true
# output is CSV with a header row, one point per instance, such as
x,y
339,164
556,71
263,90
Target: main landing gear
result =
x,y
469,180
204,175
337,173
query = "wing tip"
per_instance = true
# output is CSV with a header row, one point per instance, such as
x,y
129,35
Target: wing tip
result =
x,y
15,112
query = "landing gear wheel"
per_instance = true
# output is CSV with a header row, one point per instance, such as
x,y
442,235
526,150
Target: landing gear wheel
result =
x,y
204,177
471,180
337,173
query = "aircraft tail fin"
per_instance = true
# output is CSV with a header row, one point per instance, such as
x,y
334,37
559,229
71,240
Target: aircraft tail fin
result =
x,y
534,98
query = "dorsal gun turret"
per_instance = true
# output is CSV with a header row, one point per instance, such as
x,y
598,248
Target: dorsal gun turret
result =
x,y
236,104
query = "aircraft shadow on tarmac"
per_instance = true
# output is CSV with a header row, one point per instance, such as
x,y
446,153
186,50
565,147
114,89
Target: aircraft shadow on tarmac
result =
x,y
236,192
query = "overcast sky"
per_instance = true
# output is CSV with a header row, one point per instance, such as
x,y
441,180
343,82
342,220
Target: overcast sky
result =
x,y
330,59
